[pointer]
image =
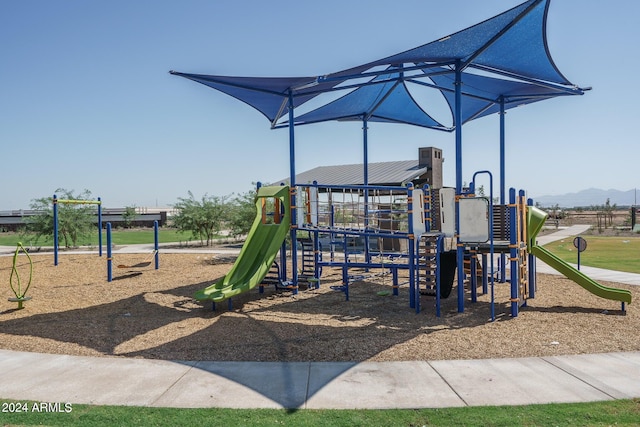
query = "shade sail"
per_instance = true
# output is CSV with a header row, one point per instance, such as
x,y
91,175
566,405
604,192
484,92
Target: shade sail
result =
x,y
269,95
513,42
387,99
502,59
483,95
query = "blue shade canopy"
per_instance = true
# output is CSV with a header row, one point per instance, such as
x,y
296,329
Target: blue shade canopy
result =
x,y
269,95
483,95
387,99
503,59
512,43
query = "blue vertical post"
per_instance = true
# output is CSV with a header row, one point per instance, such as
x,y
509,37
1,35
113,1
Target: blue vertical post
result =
x,y
365,143
473,272
503,162
513,252
99,226
485,275
109,258
458,125
414,292
316,242
156,244
55,230
502,152
292,179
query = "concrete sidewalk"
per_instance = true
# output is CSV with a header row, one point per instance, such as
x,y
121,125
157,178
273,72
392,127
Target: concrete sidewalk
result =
x,y
316,385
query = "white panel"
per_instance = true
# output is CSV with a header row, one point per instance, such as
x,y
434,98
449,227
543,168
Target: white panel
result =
x,y
474,220
418,213
448,211
313,205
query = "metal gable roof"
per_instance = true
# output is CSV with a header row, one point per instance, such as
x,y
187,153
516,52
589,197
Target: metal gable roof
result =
x,y
398,172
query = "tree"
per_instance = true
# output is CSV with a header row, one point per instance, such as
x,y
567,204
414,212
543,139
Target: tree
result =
x,y
75,221
129,216
202,218
242,213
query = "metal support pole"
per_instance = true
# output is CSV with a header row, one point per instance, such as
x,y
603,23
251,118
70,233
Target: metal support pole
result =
x,y
99,226
414,291
109,258
55,230
458,125
365,143
156,244
503,258
292,180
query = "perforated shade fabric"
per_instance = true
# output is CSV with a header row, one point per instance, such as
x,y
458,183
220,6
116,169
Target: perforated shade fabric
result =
x,y
389,101
504,59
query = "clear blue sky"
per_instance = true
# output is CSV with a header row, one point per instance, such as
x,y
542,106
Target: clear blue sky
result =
x,y
86,100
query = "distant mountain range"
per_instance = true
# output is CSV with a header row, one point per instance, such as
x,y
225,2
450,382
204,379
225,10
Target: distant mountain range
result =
x,y
590,197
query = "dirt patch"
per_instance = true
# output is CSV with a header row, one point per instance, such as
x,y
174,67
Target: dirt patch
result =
x,y
149,313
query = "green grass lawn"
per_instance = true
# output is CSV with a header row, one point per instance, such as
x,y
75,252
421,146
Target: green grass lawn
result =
x,y
617,412
119,237
612,253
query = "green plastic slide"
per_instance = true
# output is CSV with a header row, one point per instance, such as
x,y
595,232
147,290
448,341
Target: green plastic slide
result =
x,y
536,219
259,250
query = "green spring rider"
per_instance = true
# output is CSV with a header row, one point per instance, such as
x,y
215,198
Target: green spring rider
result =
x,y
16,287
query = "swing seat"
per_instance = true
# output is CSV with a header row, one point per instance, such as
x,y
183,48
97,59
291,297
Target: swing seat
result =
x,y
139,265
142,264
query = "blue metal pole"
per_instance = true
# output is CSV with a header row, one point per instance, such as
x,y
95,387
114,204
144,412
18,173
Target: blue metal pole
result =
x,y
109,259
458,125
55,230
156,244
503,258
292,179
365,144
485,275
99,227
316,243
414,294
502,152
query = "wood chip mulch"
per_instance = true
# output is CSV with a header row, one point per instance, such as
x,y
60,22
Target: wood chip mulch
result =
x,y
147,313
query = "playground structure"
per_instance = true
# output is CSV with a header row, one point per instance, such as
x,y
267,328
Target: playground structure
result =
x,y
373,231
485,65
